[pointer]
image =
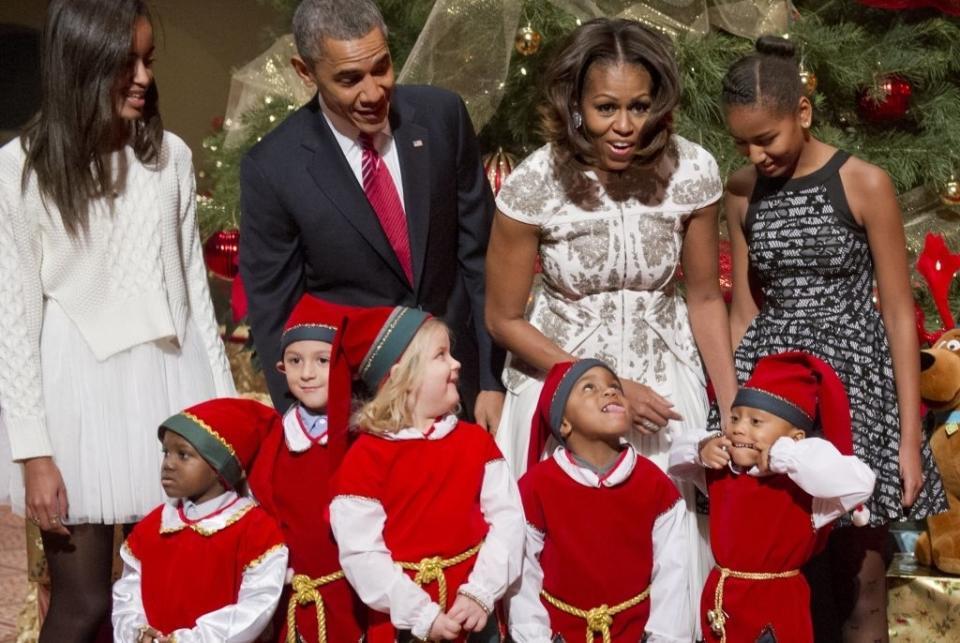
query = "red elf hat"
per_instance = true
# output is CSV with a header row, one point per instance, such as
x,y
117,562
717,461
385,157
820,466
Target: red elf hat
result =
x,y
806,392
226,432
370,342
548,415
312,319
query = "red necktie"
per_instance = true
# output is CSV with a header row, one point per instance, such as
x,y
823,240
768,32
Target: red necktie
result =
x,y
382,195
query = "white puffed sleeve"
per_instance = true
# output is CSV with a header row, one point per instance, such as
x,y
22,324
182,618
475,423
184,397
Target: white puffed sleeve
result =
x,y
128,614
379,582
245,620
669,595
528,619
501,556
838,483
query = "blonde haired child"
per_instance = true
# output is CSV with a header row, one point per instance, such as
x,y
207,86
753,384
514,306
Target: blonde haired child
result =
x,y
425,511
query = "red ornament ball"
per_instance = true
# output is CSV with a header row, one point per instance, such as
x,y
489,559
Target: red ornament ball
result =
x,y
220,253
890,104
498,166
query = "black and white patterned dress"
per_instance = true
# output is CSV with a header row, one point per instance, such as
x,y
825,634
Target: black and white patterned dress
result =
x,y
813,264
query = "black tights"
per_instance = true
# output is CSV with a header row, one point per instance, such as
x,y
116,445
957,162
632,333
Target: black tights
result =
x,y
848,587
80,580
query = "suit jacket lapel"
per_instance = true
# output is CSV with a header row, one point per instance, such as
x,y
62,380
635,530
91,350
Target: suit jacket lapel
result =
x,y
333,176
413,150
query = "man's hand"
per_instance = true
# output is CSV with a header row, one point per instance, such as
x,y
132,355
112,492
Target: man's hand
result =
x,y
487,410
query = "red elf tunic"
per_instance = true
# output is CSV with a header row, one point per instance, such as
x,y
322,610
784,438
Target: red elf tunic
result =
x,y
409,496
597,540
298,494
760,524
178,572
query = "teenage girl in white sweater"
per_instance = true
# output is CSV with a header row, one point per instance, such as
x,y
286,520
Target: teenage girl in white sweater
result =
x,y
106,325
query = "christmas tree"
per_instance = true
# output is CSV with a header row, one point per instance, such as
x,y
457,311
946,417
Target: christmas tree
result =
x,y
885,86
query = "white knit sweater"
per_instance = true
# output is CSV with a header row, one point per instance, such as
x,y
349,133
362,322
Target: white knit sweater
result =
x,y
136,277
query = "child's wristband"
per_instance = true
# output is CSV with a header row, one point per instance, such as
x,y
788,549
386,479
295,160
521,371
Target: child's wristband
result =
x,y
475,600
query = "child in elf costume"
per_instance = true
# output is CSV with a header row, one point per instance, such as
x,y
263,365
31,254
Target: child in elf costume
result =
x,y
604,548
425,511
293,475
774,491
209,564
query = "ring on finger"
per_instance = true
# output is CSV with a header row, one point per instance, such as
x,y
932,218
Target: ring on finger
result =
x,y
650,425
55,520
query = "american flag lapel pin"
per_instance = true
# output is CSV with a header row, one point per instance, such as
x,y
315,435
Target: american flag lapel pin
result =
x,y
418,143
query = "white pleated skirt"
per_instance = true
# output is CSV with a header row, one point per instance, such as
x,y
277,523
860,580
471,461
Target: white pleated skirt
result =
x,y
102,417
690,400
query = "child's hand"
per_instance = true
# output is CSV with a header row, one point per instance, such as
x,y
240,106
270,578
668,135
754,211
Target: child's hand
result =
x,y
469,613
151,635
444,628
763,459
713,452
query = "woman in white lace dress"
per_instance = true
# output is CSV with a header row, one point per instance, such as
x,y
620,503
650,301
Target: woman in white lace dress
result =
x,y
614,203
106,324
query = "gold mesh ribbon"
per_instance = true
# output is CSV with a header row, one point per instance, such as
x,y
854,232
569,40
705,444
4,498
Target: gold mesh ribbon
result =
x,y
599,619
466,46
430,570
717,618
305,592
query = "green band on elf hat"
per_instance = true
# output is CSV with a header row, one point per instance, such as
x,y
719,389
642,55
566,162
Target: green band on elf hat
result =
x,y
558,402
392,340
209,444
304,332
774,404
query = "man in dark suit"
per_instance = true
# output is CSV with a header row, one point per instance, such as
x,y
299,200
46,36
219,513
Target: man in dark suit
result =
x,y
372,194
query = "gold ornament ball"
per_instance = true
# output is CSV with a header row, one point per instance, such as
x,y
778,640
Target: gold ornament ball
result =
x,y
808,80
950,194
528,41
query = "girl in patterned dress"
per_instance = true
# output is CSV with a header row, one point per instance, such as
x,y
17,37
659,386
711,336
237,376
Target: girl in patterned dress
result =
x,y
812,227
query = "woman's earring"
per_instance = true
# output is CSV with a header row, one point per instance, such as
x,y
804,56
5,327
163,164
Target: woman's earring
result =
x,y
577,120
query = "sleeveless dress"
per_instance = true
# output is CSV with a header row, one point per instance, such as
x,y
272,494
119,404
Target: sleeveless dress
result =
x,y
814,267
609,290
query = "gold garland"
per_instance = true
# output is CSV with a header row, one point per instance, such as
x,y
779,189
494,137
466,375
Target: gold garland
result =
x,y
599,619
305,591
716,617
430,570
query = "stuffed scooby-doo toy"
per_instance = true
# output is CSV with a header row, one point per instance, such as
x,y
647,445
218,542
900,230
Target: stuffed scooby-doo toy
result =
x,y
940,390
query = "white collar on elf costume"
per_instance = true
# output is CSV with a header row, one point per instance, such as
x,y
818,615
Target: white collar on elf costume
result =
x,y
584,474
440,429
205,518
295,433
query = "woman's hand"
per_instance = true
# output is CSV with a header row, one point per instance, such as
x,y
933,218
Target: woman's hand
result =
x,y
469,613
46,496
649,410
911,473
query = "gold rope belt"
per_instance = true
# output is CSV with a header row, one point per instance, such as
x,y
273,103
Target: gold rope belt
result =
x,y
716,617
599,619
305,591
431,569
